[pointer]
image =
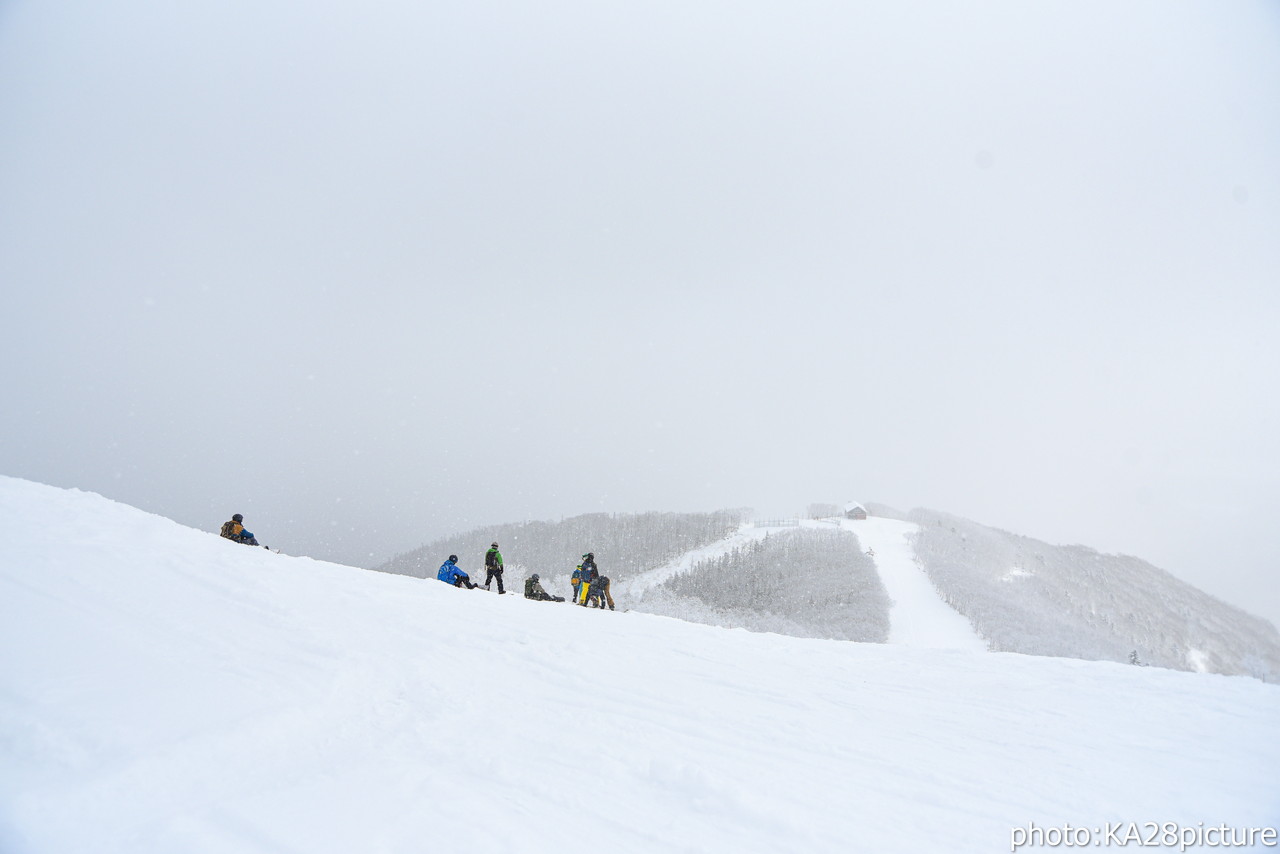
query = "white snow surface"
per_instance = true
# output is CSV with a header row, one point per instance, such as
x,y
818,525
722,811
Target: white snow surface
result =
x,y
165,691
918,617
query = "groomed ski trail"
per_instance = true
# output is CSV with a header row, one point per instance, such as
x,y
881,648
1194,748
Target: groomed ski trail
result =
x,y
646,580
918,617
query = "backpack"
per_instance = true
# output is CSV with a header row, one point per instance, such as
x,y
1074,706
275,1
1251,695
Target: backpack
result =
x,y
231,530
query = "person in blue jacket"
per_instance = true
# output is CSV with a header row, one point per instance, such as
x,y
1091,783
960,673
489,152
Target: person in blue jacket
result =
x,y
450,573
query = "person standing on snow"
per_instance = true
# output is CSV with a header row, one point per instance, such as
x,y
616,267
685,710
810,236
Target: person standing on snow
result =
x,y
493,567
586,575
451,573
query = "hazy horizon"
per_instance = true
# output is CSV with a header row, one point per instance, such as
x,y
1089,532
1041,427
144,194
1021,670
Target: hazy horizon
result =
x,y
371,276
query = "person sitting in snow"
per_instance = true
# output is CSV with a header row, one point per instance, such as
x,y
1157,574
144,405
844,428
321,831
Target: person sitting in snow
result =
x,y
234,530
451,573
533,590
599,593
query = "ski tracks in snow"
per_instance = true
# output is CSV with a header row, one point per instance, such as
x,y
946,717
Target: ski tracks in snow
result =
x,y
918,617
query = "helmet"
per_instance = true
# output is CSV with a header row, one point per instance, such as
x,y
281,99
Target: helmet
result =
x,y
495,545
591,556
534,576
237,518
453,558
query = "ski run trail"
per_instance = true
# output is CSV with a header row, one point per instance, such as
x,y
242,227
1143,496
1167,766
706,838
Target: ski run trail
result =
x,y
166,691
918,617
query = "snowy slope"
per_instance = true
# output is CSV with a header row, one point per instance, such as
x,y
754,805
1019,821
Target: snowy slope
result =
x,y
163,690
806,581
1024,595
918,616
648,580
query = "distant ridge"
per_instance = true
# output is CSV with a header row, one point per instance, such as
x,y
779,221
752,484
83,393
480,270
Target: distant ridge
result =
x,y
1027,596
624,544
804,578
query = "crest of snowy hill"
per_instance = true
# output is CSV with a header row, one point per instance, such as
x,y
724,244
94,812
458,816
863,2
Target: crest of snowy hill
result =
x,y
1024,595
165,690
623,544
799,582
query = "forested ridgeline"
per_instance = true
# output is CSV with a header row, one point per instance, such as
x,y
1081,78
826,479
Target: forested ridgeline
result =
x,y
1027,596
803,582
624,544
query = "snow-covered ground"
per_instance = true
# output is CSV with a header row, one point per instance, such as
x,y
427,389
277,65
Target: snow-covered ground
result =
x,y
919,617
163,690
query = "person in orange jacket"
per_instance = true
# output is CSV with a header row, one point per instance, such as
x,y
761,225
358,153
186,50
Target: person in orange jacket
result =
x,y
234,531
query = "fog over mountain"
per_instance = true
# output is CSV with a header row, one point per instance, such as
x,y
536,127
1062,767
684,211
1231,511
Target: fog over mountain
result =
x,y
377,274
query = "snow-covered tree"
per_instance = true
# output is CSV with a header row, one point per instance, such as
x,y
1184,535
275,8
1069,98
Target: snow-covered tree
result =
x,y
806,582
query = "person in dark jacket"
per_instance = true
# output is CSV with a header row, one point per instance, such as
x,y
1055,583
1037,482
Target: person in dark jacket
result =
x,y
599,593
533,590
493,567
234,531
587,574
451,573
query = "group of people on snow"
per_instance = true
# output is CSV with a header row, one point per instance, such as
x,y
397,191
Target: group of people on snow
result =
x,y
590,588
451,573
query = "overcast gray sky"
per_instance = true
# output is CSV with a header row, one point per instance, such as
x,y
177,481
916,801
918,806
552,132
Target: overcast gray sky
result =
x,y
374,273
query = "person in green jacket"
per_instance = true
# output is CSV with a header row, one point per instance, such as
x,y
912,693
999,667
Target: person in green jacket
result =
x,y
493,567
